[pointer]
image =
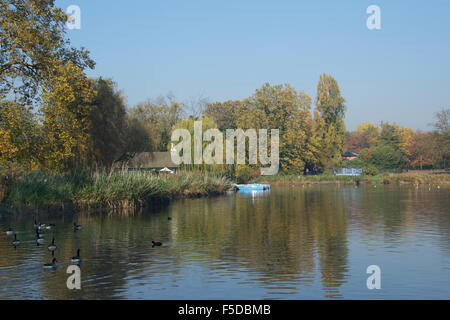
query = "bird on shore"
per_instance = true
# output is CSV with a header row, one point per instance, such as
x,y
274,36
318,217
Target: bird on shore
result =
x,y
52,247
77,258
16,242
10,232
156,244
77,227
52,265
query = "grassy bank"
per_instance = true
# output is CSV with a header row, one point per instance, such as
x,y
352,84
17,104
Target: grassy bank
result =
x,y
388,178
103,190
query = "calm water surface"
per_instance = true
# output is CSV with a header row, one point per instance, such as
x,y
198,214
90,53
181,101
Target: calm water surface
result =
x,y
290,243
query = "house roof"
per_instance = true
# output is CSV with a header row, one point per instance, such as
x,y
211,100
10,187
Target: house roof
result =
x,y
349,154
152,160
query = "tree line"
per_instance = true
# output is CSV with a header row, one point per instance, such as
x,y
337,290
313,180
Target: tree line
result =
x,y
54,117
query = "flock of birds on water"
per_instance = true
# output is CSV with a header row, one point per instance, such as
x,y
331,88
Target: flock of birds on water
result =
x,y
52,246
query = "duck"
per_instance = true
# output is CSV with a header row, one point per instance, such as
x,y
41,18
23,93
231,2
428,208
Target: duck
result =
x,y
52,265
77,258
15,242
52,247
77,227
156,244
10,232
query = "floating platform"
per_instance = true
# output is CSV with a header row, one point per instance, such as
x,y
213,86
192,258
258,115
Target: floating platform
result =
x,y
252,187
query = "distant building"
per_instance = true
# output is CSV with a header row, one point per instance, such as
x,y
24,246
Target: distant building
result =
x,y
350,156
348,172
156,161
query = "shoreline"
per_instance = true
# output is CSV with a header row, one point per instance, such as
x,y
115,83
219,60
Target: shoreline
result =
x,y
191,191
390,178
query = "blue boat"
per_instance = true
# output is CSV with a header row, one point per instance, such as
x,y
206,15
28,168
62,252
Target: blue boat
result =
x,y
253,187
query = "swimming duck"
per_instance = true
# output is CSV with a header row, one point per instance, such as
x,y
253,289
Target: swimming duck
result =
x,y
77,227
52,265
10,232
15,242
52,247
77,258
156,244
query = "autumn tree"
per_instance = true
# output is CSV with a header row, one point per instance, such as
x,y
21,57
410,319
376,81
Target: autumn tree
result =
x,y
33,45
329,123
420,149
357,141
39,68
370,130
19,136
66,112
284,108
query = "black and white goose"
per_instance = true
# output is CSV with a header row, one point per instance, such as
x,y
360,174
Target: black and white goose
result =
x,y
39,239
16,242
77,258
52,247
52,265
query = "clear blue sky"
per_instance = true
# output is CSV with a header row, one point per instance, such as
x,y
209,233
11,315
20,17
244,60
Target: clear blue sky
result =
x,y
226,49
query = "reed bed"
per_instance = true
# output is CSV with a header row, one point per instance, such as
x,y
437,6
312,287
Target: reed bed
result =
x,y
113,189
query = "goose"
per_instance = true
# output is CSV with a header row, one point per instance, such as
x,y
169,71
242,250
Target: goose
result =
x,y
10,232
156,244
77,227
52,247
42,226
39,239
15,242
52,265
50,227
77,258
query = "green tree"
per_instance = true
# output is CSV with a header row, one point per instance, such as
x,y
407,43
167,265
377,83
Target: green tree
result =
x,y
329,121
157,119
442,139
108,123
223,113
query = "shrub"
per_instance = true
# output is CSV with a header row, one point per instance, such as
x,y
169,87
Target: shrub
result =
x,y
243,174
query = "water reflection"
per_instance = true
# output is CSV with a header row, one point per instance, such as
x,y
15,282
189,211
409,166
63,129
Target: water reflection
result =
x,y
297,243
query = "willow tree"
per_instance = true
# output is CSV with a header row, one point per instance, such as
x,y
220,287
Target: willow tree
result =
x,y
40,70
329,121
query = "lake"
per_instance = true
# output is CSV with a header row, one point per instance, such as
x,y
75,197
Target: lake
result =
x,y
311,242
